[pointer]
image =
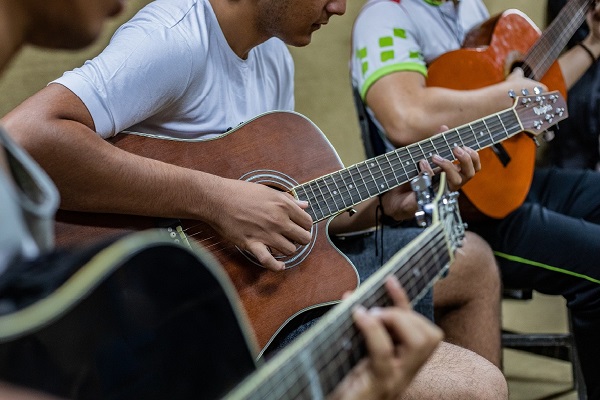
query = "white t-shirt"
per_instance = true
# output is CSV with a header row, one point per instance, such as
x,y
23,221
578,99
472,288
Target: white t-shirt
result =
x,y
169,71
406,35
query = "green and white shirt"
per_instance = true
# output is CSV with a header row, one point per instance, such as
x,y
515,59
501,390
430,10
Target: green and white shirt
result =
x,y
406,35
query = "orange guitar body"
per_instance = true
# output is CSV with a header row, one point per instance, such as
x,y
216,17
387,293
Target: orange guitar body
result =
x,y
488,55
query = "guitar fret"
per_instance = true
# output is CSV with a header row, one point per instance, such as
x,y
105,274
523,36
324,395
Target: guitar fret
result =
x,y
392,169
401,162
490,131
335,193
364,182
315,205
478,146
322,195
504,127
380,187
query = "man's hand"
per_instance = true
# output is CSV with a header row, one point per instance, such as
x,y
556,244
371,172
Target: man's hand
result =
x,y
457,174
400,203
262,221
399,341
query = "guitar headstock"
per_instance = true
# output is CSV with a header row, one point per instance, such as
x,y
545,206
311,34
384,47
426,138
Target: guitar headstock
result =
x,y
439,207
538,112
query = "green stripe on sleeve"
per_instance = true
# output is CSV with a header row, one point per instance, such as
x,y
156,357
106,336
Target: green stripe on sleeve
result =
x,y
407,66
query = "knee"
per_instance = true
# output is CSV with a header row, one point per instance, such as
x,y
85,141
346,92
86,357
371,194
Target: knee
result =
x,y
475,262
457,373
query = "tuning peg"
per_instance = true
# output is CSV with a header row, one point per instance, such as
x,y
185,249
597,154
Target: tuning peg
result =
x,y
537,90
512,94
548,136
524,92
537,143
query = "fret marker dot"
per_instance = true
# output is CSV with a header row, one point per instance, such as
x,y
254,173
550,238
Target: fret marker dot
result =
x,y
382,186
416,272
335,192
481,133
350,186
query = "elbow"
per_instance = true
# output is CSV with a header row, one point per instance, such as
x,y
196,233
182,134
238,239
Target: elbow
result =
x,y
26,130
402,131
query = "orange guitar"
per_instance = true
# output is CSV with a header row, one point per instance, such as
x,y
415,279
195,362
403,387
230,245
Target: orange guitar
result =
x,y
286,151
490,52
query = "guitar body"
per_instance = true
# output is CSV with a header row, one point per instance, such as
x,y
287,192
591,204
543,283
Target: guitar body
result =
x,y
145,319
489,54
279,149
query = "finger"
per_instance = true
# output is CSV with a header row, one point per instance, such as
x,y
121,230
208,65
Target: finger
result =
x,y
425,167
378,342
517,72
303,204
467,169
301,218
408,328
443,128
397,293
295,234
475,158
453,175
263,255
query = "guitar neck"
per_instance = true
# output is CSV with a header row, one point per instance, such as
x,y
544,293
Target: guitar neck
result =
x,y
317,361
341,190
555,37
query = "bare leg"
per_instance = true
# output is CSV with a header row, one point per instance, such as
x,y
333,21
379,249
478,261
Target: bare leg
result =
x,y
456,373
467,300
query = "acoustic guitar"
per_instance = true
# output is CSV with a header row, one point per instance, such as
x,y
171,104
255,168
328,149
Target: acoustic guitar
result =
x,y
149,318
286,151
489,53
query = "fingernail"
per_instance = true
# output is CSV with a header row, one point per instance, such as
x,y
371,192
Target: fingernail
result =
x,y
437,158
360,310
375,311
459,151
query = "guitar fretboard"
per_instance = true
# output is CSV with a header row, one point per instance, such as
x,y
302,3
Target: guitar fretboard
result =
x,y
548,47
341,190
313,365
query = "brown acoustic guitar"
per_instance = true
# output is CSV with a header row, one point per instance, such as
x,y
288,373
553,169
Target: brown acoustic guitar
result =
x,y
489,53
286,151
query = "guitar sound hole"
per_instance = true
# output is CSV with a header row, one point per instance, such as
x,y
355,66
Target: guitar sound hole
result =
x,y
284,183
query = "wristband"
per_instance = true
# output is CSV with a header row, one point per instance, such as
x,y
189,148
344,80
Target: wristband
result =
x,y
587,49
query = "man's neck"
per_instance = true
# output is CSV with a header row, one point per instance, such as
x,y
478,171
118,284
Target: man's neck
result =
x,y
237,23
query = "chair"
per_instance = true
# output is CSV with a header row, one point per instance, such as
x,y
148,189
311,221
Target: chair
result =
x,y
559,346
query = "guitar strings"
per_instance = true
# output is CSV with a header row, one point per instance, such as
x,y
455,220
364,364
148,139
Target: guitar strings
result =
x,y
319,201
389,171
319,343
574,14
339,353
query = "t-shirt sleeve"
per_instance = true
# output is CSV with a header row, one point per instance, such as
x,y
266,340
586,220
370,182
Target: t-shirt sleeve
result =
x,y
133,78
384,41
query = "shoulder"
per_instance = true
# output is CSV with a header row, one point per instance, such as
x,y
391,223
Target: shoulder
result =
x,y
176,23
